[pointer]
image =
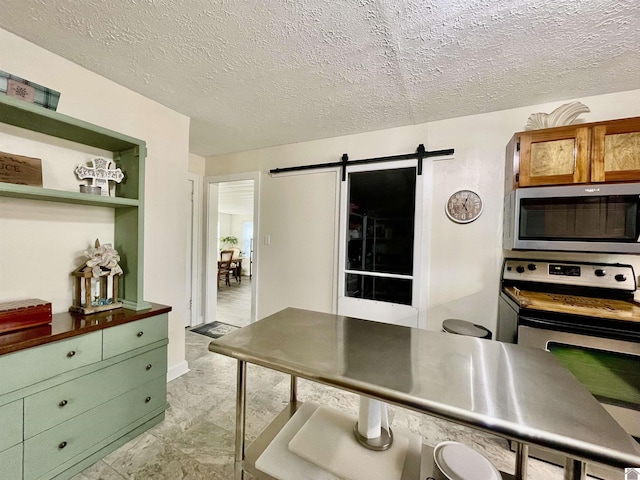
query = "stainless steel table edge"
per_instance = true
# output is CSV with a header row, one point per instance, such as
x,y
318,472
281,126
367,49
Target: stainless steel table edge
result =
x,y
566,446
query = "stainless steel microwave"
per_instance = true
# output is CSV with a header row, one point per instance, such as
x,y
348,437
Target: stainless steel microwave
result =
x,y
579,218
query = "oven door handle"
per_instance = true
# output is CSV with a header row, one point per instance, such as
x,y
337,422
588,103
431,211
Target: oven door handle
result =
x,y
580,329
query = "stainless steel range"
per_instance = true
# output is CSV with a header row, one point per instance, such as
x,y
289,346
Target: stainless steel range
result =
x,y
584,313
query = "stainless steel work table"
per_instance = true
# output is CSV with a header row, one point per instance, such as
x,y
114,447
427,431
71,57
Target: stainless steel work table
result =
x,y
519,393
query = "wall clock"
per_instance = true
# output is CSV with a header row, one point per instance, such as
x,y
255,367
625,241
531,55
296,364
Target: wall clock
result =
x,y
464,206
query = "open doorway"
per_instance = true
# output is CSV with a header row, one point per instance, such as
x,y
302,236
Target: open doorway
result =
x,y
231,221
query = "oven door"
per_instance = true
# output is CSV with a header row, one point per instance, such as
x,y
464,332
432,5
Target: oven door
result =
x,y
608,367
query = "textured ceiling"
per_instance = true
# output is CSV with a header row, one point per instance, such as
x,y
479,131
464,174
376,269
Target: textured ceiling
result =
x,y
257,73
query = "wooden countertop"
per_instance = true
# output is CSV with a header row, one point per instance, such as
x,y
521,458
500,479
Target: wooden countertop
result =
x,y
575,305
67,324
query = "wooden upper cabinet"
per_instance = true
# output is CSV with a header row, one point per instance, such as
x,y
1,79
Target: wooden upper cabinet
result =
x,y
615,153
584,153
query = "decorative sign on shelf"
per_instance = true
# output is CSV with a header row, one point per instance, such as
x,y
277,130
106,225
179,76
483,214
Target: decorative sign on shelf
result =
x,y
100,174
20,170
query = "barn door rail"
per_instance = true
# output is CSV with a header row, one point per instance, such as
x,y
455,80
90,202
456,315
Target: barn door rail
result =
x,y
344,162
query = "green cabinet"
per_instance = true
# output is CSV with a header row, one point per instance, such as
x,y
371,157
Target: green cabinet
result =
x,y
60,412
128,154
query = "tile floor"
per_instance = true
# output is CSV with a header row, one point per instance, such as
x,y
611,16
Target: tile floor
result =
x,y
196,439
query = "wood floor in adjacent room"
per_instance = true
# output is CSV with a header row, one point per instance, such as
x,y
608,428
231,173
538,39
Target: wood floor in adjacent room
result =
x,y
234,302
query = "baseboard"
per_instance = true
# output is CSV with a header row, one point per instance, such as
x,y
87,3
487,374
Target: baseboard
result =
x,y
177,370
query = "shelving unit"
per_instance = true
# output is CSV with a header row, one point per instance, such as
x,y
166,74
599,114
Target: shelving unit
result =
x,y
375,245
128,154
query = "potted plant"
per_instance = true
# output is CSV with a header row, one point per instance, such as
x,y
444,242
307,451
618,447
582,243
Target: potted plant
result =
x,y
228,242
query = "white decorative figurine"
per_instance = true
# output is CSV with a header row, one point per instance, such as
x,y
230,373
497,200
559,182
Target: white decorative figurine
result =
x,y
563,115
100,174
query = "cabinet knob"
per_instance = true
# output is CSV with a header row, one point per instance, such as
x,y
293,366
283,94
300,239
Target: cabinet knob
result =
x,y
147,400
140,334
63,403
149,367
61,445
72,353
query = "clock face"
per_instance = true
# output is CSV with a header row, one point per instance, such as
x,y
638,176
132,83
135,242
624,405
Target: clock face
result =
x,y
464,206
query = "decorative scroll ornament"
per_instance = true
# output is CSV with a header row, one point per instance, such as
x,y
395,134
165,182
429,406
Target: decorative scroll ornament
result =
x,y
563,115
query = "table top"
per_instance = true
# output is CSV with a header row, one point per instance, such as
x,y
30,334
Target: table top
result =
x,y
517,392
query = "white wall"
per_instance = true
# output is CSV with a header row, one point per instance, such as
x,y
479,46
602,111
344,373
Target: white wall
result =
x,y
45,239
196,164
463,262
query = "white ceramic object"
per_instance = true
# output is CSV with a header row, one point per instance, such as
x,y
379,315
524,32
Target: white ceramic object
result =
x,y
456,461
563,115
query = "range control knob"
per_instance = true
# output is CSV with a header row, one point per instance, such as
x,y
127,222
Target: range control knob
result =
x,y
532,266
600,273
620,278
520,269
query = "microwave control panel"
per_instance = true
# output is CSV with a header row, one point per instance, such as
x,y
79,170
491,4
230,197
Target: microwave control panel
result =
x,y
600,275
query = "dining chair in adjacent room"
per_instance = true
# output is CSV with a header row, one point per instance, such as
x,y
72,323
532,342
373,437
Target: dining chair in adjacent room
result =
x,y
225,267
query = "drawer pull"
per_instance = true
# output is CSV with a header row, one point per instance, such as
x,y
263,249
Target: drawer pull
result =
x,y
62,445
72,353
140,334
149,367
63,403
147,400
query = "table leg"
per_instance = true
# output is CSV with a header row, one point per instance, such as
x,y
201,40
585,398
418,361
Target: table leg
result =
x,y
293,396
241,408
522,456
575,470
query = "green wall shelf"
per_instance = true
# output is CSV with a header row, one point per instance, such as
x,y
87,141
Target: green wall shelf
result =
x,y
128,154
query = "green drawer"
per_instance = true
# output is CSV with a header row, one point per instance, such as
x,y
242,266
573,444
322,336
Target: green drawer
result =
x,y
52,448
121,339
58,404
26,367
11,463
10,425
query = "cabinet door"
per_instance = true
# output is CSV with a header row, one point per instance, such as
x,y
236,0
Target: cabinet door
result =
x,y
11,463
10,425
556,156
616,151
